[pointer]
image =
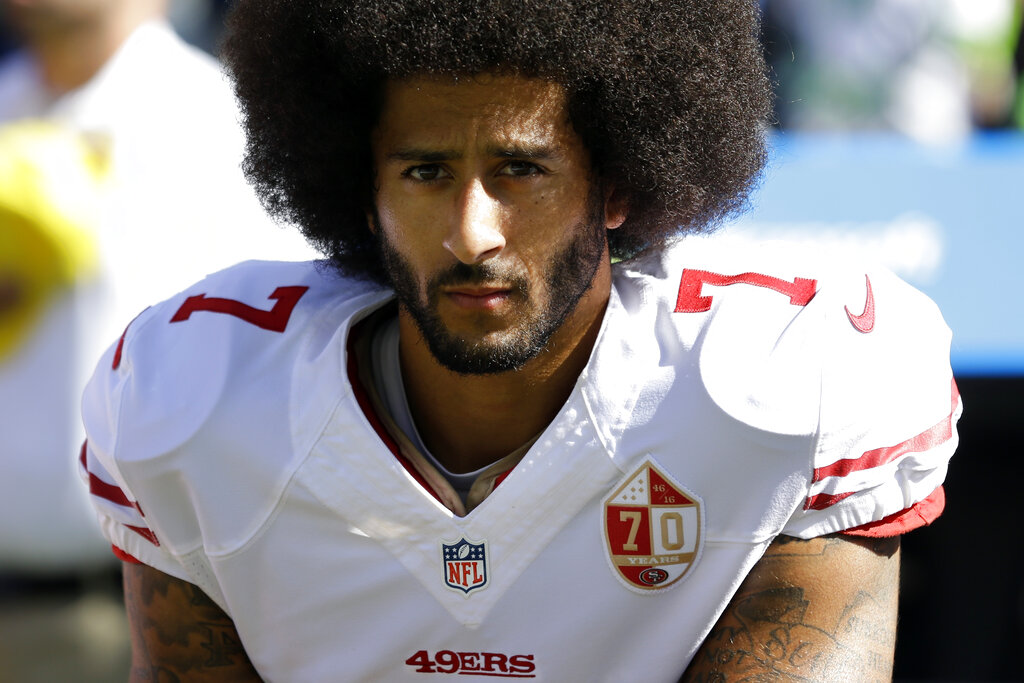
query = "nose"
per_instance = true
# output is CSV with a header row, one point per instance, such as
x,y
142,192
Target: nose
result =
x,y
475,234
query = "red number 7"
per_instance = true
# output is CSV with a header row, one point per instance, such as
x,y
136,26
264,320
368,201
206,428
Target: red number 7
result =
x,y
276,319
800,291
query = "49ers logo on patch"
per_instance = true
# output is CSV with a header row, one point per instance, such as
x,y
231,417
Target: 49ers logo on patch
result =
x,y
653,527
465,565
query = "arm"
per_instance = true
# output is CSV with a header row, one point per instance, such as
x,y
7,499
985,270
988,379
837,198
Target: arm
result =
x,y
818,610
178,634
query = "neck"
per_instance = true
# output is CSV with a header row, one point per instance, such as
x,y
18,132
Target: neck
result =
x,y
71,52
470,421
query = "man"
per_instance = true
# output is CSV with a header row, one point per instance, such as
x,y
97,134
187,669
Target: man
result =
x,y
163,116
469,444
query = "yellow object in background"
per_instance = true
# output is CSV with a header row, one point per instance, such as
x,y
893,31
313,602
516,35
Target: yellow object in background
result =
x,y
52,186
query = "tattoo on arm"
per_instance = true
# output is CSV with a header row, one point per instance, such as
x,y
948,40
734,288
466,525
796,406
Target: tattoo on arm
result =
x,y
818,610
178,633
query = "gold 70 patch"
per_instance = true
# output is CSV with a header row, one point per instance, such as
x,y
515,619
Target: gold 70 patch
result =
x,y
653,528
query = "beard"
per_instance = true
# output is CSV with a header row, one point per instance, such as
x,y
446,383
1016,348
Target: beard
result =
x,y
566,278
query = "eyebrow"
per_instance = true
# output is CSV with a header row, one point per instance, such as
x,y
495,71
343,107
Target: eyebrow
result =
x,y
517,151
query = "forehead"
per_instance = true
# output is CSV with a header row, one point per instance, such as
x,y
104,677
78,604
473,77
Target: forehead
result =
x,y
453,110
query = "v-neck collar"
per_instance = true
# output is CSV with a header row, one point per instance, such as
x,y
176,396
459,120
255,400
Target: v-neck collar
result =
x,y
358,469
420,466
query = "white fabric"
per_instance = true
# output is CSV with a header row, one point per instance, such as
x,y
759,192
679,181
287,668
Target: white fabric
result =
x,y
266,485
179,209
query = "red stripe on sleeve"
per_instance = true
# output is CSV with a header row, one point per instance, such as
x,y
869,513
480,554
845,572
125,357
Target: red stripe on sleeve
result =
x,y
145,533
917,515
102,489
120,343
824,500
930,438
120,347
122,555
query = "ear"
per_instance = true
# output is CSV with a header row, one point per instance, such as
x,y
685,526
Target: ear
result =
x,y
370,222
616,207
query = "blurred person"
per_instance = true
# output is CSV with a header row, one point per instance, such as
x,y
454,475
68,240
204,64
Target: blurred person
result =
x,y
116,69
476,445
933,70
176,207
52,191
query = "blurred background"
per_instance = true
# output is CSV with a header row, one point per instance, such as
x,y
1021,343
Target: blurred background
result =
x,y
898,136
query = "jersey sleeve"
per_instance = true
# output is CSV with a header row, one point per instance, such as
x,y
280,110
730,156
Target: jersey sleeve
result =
x,y
122,518
888,409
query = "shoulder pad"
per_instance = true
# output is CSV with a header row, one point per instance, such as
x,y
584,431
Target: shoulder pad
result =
x,y
795,341
775,326
224,385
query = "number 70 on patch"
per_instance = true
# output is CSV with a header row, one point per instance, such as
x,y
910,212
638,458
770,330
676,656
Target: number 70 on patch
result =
x,y
654,528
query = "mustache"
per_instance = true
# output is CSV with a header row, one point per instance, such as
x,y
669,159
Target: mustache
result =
x,y
479,274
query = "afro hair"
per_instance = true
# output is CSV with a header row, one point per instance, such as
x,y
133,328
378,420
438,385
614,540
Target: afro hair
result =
x,y
670,98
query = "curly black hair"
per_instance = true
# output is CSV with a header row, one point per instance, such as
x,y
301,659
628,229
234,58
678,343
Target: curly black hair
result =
x,y
669,96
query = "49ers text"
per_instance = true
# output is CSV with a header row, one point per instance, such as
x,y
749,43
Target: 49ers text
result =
x,y
487,663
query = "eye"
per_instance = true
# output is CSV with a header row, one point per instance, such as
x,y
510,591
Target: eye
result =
x,y
520,169
426,173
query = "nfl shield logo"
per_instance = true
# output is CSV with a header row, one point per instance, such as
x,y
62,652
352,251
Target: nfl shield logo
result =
x,y
465,565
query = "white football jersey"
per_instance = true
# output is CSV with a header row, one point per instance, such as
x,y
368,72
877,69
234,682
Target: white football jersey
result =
x,y
732,396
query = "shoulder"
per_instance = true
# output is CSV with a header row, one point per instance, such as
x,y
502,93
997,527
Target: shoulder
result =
x,y
235,374
793,341
259,319
774,327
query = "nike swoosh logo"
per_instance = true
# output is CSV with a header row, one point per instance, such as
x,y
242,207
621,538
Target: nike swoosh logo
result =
x,y
865,322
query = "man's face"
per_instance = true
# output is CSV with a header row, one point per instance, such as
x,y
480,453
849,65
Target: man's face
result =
x,y
488,220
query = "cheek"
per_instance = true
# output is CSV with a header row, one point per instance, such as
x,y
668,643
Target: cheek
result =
x,y
551,220
397,232
407,220
406,260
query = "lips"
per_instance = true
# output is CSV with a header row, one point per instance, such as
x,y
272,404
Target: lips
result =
x,y
478,298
